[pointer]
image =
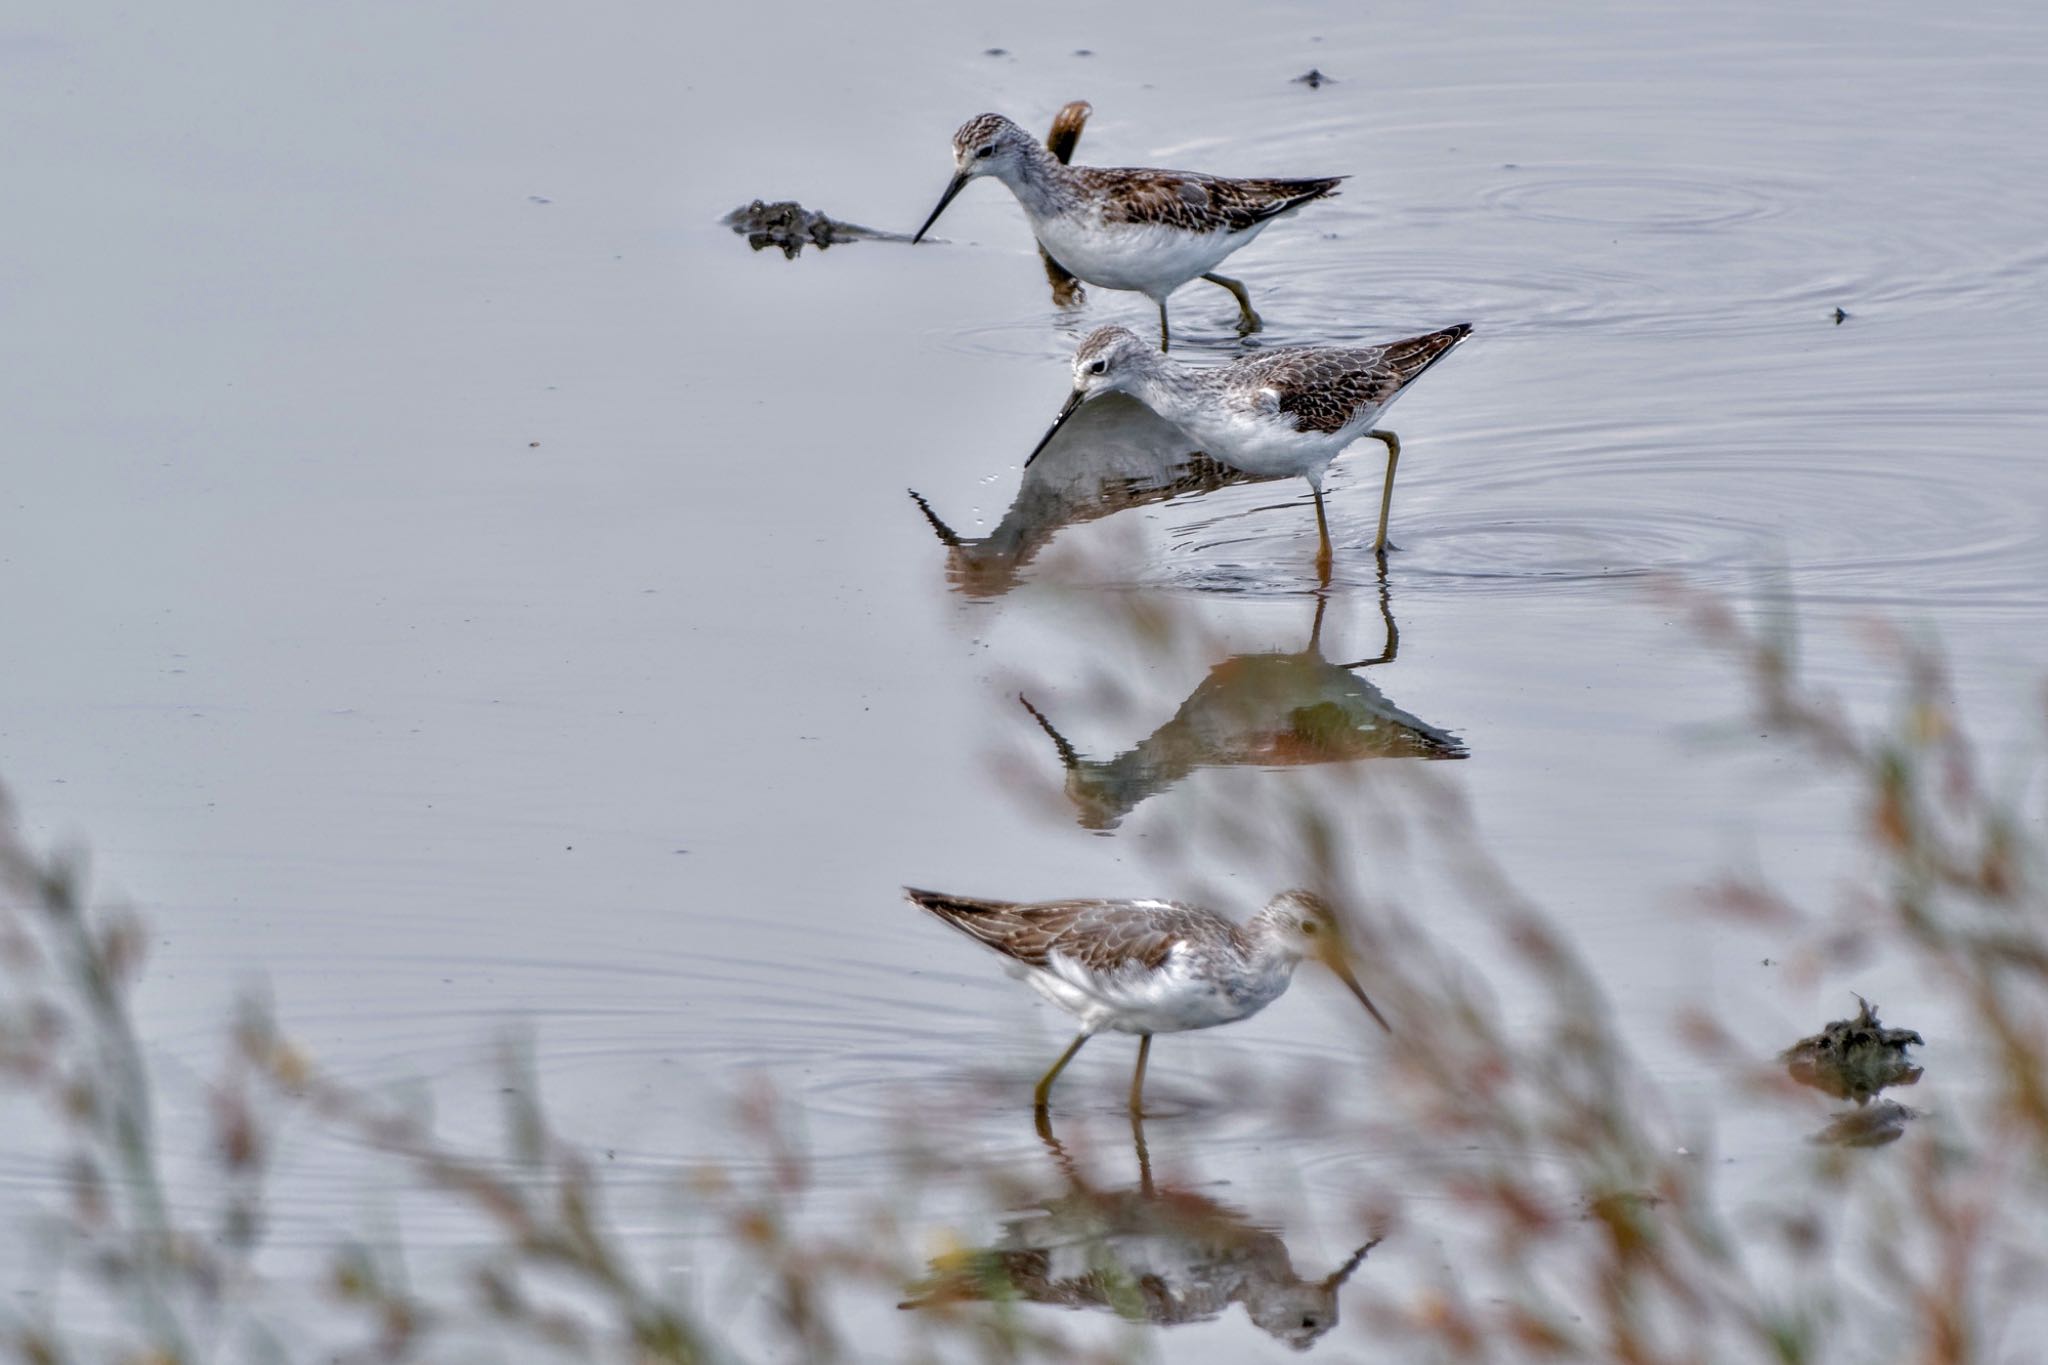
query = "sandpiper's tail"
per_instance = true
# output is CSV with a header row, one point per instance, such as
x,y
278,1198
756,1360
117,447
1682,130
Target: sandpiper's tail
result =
x,y
993,924
1408,359
950,908
1271,198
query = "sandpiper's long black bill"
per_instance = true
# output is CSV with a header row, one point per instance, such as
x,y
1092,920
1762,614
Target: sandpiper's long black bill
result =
x,y
1073,401
1337,965
959,184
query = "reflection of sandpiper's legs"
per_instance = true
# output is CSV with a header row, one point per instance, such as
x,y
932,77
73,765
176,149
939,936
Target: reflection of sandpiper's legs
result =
x,y
1247,317
1138,1076
1324,555
1040,1096
1162,324
1380,546
1041,1119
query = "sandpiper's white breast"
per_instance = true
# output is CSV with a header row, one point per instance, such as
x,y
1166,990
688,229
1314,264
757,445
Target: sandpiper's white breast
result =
x,y
1184,992
1252,434
1151,259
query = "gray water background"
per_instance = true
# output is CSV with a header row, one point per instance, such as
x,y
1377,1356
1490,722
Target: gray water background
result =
x,y
451,582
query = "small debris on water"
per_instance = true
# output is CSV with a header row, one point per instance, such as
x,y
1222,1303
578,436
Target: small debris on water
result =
x,y
1314,79
1854,1058
538,199
995,52
791,227
1840,317
1084,52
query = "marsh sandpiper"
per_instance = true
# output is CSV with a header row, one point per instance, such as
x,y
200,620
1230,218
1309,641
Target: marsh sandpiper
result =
x,y
1279,412
1146,967
1143,230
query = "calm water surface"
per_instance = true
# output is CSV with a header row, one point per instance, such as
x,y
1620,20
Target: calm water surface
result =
x,y
452,581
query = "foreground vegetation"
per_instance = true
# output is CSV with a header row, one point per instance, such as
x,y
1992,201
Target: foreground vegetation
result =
x,y
1595,1232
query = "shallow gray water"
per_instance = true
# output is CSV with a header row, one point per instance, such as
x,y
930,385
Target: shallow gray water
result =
x,y
452,581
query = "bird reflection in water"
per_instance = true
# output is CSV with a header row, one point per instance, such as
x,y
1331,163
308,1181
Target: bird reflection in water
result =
x,y
1257,710
1149,1253
1113,454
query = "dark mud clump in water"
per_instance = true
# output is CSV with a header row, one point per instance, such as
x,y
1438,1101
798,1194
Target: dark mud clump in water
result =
x,y
790,226
1313,79
1853,1059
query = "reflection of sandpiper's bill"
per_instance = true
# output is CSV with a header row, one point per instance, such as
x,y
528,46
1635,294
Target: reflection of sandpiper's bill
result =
x,y
1142,230
1280,412
1149,967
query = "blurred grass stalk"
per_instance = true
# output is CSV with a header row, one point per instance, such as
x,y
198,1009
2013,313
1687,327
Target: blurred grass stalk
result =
x,y
78,1050
1601,1237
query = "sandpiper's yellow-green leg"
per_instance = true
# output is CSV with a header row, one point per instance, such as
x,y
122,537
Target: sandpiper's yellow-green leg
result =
x,y
1247,317
1043,1094
1379,546
1138,1076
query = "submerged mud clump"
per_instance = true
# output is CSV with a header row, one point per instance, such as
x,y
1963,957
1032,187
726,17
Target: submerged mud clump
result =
x,y
791,227
1853,1059
1872,1125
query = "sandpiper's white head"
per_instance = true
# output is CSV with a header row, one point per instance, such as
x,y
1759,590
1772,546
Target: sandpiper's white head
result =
x,y
1111,360
987,144
1299,924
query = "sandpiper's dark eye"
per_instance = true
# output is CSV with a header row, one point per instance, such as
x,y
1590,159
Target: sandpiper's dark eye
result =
x,y
1308,927
989,150
1098,367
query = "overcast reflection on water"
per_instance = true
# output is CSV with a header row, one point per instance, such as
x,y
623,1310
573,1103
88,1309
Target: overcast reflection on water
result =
x,y
452,580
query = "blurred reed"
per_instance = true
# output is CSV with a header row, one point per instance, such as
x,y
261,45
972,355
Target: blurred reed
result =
x,y
1594,1227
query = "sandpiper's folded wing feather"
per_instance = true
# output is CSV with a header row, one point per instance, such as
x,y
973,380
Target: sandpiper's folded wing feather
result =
x,y
1100,936
1194,202
1326,389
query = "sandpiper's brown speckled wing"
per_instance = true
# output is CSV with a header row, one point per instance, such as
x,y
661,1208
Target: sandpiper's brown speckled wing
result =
x,y
1193,202
1104,937
1325,389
